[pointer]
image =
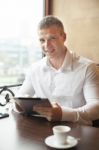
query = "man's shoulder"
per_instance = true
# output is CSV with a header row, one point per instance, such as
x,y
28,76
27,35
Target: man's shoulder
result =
x,y
81,60
85,60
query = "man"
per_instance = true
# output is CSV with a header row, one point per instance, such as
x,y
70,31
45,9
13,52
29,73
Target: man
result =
x,y
70,82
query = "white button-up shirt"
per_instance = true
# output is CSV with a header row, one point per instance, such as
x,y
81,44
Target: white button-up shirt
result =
x,y
74,85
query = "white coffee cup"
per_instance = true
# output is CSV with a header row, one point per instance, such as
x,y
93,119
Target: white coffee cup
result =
x,y
60,133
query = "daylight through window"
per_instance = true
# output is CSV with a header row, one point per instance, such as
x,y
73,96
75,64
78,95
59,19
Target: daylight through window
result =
x,y
18,38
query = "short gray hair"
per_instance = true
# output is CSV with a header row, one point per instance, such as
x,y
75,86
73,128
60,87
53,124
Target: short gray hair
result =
x,y
49,21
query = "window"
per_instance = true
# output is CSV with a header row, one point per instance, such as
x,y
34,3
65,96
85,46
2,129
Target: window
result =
x,y
18,38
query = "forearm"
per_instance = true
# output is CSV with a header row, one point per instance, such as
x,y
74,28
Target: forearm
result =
x,y
89,112
82,115
25,90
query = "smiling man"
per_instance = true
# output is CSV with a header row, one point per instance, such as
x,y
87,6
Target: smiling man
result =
x,y
70,82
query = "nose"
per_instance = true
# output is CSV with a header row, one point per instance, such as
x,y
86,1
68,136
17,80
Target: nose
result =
x,y
47,43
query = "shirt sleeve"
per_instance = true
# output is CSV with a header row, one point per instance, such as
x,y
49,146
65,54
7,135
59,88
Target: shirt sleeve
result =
x,y
89,112
27,87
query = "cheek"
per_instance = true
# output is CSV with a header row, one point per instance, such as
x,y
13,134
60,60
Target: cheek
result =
x,y
57,44
60,43
43,47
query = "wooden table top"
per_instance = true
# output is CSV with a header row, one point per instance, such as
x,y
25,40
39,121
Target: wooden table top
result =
x,y
18,132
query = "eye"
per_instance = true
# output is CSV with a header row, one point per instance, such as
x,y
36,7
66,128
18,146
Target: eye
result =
x,y
52,38
41,40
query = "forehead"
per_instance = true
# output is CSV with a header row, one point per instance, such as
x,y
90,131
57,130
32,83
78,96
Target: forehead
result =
x,y
52,30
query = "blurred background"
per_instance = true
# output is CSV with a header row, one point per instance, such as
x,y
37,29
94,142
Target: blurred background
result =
x,y
19,45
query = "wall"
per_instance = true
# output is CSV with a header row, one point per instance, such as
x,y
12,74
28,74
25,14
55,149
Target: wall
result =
x,y
81,20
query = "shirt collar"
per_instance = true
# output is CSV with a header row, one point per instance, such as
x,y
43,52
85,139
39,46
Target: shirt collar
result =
x,y
67,64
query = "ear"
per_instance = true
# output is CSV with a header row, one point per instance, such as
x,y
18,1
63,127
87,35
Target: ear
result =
x,y
64,36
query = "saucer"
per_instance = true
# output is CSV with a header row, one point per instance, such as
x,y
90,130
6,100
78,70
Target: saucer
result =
x,y
71,142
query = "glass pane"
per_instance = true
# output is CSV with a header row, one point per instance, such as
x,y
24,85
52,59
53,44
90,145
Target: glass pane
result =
x,y
18,38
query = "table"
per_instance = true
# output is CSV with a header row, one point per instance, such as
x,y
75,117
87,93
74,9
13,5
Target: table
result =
x,y
18,132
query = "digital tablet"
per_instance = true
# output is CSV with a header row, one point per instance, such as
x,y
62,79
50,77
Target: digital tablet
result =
x,y
27,103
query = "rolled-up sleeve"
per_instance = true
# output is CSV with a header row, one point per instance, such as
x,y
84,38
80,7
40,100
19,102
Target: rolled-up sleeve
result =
x,y
90,111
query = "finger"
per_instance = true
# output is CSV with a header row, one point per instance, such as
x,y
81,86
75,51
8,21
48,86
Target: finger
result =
x,y
42,110
45,109
54,105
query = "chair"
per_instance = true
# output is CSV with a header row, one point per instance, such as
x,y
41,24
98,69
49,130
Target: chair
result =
x,y
96,123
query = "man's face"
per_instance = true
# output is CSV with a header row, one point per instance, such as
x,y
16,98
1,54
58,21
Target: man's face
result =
x,y
52,40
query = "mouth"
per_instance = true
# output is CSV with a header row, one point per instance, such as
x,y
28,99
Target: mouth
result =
x,y
49,50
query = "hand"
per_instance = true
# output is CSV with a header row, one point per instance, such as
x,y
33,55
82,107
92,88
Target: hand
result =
x,y
53,113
